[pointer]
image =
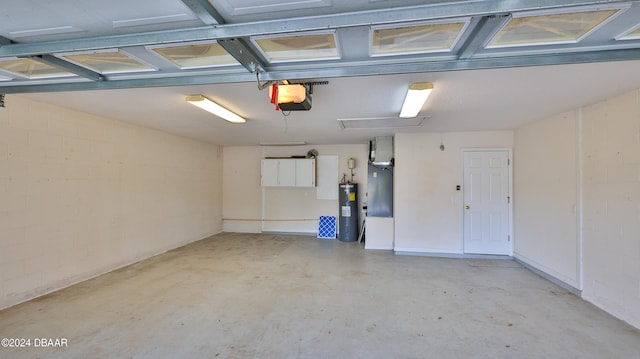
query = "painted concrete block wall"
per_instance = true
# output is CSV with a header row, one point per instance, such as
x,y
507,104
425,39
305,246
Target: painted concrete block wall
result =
x,y
242,194
589,156
611,205
286,209
81,195
427,207
546,196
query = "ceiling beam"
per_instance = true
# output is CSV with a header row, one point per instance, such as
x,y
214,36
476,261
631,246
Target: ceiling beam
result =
x,y
69,67
482,32
418,66
341,70
243,54
237,48
323,22
204,11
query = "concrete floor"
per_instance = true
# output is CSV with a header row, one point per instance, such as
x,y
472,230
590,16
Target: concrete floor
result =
x,y
273,296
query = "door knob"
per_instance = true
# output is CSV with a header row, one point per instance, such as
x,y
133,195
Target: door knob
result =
x,y
467,207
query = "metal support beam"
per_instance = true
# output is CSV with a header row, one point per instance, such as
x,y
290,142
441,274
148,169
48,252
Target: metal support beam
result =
x,y
67,66
391,68
203,10
322,22
237,48
344,69
243,54
486,27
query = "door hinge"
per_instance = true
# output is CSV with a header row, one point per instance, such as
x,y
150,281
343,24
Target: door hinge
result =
x,y
509,238
508,162
508,199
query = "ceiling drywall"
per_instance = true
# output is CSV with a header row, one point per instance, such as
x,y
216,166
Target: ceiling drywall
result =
x,y
494,99
475,87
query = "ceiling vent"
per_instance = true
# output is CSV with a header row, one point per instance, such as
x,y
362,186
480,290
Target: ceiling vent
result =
x,y
379,123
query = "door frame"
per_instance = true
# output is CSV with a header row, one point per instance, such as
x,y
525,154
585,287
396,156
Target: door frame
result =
x,y
509,151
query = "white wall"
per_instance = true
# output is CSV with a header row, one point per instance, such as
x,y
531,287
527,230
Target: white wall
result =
x,y
590,157
81,195
250,208
611,205
242,195
546,197
427,207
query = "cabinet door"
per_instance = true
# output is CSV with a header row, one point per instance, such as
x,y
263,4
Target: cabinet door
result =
x,y
306,173
269,173
287,173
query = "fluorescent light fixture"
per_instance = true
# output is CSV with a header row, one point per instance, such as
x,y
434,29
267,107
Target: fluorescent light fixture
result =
x,y
289,143
208,105
416,96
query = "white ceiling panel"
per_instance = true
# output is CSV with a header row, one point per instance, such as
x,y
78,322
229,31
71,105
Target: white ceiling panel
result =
x,y
248,7
260,10
32,69
551,27
60,30
107,61
298,47
633,34
195,55
38,20
416,38
154,20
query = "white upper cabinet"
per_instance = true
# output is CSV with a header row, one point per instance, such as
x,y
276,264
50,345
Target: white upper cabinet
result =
x,y
284,172
269,173
305,173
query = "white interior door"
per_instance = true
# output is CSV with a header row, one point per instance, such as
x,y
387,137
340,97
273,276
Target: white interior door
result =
x,y
487,202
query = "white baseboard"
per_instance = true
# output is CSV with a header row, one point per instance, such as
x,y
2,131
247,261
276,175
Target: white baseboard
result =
x,y
382,248
426,251
548,274
291,233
